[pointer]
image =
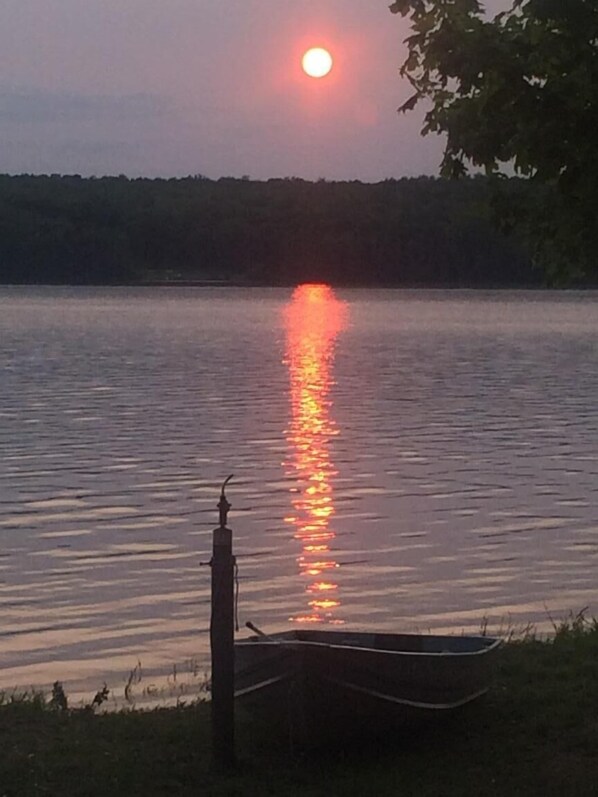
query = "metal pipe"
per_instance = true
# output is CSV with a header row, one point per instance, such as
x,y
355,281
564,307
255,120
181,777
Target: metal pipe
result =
x,y
222,642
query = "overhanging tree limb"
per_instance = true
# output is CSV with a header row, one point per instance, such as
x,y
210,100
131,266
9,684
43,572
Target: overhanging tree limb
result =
x,y
516,94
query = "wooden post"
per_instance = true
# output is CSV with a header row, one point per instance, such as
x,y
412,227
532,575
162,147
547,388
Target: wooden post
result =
x,y
222,631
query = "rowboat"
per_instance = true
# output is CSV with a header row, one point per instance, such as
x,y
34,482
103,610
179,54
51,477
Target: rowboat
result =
x,y
353,676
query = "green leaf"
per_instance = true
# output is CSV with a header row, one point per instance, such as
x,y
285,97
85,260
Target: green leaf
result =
x,y
410,104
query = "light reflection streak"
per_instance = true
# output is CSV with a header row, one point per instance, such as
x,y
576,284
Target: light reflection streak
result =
x,y
313,320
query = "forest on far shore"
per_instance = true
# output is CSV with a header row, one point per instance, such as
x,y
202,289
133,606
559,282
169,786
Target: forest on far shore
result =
x,y
113,230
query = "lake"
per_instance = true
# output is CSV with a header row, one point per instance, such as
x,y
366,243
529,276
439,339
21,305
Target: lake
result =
x,y
402,460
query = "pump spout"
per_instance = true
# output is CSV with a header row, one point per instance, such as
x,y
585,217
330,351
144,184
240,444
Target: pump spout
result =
x,y
223,504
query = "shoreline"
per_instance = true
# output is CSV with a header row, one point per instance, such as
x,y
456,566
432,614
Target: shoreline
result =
x,y
290,285
534,734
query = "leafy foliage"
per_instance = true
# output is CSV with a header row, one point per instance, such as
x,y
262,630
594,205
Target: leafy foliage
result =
x,y
517,92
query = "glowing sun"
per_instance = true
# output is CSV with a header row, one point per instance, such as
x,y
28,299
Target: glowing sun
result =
x,y
317,62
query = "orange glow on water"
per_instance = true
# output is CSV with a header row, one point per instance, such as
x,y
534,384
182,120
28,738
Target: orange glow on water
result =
x,y
324,604
322,586
313,320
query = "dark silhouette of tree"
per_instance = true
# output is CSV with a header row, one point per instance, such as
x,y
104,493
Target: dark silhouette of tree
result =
x,y
423,231
517,93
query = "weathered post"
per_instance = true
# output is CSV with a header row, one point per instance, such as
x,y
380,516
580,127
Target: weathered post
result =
x,y
222,633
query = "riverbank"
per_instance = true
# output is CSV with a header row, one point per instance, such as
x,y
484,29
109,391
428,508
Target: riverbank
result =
x,y
535,734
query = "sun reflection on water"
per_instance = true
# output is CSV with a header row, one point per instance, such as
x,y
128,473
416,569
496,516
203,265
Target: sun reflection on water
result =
x,y
313,320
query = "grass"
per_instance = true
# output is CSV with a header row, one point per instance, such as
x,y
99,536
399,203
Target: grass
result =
x,y
535,734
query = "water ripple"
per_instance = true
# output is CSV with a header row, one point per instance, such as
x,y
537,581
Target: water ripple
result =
x,y
456,438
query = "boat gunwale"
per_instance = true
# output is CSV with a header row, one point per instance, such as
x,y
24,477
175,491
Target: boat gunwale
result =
x,y
303,643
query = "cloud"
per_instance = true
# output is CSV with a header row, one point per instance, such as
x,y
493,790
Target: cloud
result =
x,y
40,107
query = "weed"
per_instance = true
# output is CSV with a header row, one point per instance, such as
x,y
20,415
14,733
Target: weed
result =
x,y
100,697
58,700
134,678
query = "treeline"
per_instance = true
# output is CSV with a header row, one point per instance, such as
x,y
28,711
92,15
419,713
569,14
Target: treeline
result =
x,y
422,231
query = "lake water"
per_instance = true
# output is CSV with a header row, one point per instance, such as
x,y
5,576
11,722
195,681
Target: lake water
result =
x,y
403,460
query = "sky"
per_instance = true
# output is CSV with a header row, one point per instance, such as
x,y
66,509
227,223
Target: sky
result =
x,y
167,88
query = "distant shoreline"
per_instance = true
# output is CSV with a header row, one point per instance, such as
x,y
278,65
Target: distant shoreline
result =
x,y
187,233
335,285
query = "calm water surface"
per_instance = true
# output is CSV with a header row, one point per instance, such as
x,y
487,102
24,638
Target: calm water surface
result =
x,y
403,460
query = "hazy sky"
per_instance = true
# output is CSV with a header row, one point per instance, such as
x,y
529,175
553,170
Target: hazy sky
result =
x,y
214,87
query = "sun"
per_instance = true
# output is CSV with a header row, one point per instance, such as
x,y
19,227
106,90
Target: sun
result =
x,y
317,62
